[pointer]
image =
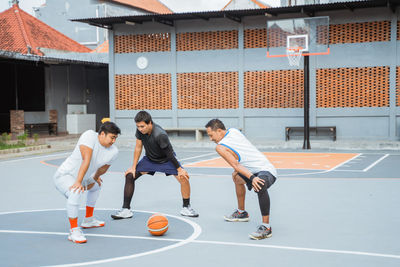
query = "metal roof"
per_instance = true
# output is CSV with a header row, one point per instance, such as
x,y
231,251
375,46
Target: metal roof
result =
x,y
237,15
70,58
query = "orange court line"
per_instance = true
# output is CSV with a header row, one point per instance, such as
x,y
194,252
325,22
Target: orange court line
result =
x,y
288,160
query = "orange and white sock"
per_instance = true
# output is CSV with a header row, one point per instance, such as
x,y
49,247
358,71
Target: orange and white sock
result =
x,y
89,211
73,222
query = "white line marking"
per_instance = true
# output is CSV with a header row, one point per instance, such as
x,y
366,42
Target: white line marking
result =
x,y
37,157
333,251
204,155
343,163
301,248
203,161
376,162
196,233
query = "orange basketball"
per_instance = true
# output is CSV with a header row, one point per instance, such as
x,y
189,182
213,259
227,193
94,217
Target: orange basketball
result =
x,y
157,224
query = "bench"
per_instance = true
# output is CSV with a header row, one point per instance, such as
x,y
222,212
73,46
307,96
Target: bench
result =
x,y
314,130
50,127
198,131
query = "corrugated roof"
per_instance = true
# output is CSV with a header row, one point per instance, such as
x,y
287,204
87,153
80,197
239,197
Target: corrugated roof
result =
x,y
236,15
71,58
153,6
23,33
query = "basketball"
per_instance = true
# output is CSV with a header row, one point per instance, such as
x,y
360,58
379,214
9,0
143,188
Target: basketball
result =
x,y
157,224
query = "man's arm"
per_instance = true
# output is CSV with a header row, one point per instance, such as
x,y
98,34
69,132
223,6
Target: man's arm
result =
x,y
166,147
86,153
100,171
230,157
136,155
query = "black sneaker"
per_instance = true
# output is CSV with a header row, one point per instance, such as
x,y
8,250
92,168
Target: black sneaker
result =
x,y
261,233
237,216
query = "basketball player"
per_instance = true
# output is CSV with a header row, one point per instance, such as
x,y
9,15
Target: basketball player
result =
x,y
251,168
160,157
81,171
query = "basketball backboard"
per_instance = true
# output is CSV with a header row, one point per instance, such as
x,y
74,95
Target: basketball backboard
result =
x,y
310,35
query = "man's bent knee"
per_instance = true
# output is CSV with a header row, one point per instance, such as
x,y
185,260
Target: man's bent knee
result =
x,y
237,179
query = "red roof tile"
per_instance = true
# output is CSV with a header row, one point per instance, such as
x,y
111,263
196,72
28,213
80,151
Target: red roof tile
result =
x,y
261,5
102,48
153,6
19,30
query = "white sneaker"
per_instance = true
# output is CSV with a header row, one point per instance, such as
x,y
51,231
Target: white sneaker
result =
x,y
92,222
188,211
122,214
76,235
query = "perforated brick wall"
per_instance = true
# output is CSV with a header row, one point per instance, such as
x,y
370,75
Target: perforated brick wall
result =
x,y
376,31
155,42
255,38
191,41
398,86
143,91
353,87
208,90
273,89
398,30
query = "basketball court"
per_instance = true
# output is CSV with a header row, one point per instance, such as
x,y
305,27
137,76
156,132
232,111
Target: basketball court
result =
x,y
327,209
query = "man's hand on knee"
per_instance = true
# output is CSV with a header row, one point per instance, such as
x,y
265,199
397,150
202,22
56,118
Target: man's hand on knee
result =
x,y
182,174
257,183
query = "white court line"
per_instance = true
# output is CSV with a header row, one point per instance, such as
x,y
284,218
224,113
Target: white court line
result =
x,y
203,161
196,233
333,251
337,166
208,154
36,157
376,162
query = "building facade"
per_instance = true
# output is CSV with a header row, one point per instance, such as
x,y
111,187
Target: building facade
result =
x,y
192,70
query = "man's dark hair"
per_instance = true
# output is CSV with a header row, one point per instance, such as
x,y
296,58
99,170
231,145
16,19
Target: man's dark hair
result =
x,y
215,124
143,116
109,127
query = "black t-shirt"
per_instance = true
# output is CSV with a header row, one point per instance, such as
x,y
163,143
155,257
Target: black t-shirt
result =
x,y
155,143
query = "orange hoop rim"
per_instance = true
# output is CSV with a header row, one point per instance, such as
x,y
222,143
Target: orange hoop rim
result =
x,y
304,54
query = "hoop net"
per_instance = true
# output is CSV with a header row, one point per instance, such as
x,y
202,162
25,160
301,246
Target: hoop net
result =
x,y
294,55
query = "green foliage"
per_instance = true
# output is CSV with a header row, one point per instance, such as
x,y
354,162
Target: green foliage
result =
x,y
36,137
4,137
8,146
22,138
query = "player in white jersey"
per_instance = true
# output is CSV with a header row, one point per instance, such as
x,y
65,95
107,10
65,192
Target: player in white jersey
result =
x,y
251,168
81,171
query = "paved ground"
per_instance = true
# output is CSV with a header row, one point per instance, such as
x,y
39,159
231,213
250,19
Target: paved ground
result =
x,y
329,208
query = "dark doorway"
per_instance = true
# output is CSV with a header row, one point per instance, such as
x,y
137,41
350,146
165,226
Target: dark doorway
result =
x,y
22,87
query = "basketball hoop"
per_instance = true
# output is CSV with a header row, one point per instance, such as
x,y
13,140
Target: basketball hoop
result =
x,y
294,55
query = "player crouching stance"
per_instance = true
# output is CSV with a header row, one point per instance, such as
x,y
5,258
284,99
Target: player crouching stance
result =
x,y
251,167
81,171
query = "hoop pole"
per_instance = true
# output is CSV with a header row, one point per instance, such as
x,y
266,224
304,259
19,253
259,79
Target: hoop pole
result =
x,y
306,143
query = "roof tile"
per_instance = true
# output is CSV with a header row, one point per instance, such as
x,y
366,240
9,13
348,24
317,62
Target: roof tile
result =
x,y
21,31
153,6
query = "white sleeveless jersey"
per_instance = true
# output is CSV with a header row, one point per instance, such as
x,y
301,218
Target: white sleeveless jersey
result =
x,y
249,156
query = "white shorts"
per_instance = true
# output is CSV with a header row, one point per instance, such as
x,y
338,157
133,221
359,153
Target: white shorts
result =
x,y
64,181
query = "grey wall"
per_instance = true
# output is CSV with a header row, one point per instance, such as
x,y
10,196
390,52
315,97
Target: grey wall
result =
x,y
76,84
352,123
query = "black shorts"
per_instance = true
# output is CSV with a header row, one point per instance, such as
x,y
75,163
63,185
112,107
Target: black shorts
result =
x,y
268,178
146,165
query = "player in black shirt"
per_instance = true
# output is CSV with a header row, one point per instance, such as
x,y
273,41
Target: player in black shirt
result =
x,y
160,157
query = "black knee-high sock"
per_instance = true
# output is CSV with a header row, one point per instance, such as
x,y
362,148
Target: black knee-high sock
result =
x,y
129,189
186,202
264,201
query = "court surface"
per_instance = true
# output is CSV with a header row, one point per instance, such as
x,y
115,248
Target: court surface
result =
x,y
327,209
